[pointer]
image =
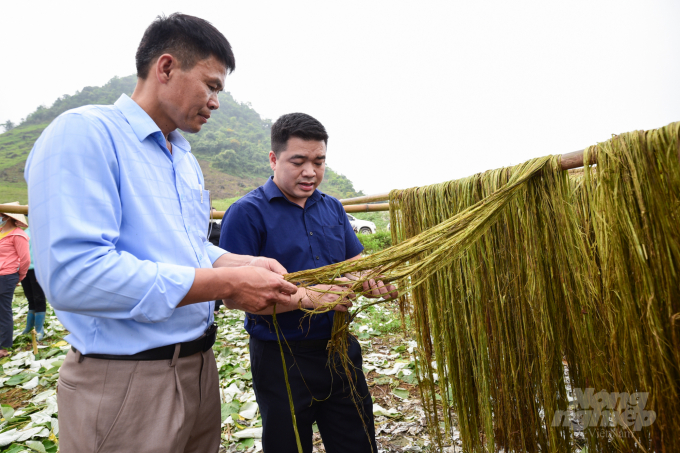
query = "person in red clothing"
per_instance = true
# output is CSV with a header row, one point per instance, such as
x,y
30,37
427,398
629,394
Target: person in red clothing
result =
x,y
14,261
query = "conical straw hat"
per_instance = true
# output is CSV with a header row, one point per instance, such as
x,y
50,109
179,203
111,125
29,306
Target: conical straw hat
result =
x,y
18,217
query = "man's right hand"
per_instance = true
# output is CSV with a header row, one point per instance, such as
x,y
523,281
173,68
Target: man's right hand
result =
x,y
247,288
258,288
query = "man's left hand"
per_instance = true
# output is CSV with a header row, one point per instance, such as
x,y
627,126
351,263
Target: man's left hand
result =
x,y
234,260
269,264
374,289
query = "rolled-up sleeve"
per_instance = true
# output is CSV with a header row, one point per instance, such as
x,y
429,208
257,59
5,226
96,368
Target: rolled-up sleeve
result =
x,y
76,213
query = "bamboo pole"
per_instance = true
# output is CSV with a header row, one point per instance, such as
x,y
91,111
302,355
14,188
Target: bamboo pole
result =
x,y
366,199
368,207
358,204
574,160
569,161
14,209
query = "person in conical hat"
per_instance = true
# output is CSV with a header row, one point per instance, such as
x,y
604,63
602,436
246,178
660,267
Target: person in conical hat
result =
x,y
15,259
19,218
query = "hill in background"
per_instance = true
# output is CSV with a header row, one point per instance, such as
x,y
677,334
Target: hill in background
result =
x,y
232,148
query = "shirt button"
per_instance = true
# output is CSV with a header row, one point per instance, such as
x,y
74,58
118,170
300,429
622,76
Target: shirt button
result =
x,y
200,257
317,257
311,234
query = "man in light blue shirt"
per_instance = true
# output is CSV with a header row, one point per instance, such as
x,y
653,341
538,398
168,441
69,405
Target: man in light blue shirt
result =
x,y
119,216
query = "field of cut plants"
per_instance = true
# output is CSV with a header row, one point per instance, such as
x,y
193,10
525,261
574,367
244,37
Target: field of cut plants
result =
x,y
30,416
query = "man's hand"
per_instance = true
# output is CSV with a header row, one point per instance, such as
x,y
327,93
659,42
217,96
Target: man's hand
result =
x,y
269,264
246,288
310,299
374,289
258,288
313,298
234,260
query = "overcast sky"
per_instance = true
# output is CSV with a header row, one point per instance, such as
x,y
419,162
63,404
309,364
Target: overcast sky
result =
x,y
411,93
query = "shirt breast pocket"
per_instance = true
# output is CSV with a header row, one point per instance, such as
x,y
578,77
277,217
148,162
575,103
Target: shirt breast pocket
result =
x,y
201,203
335,242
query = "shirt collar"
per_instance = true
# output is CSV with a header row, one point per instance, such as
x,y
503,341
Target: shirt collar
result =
x,y
143,125
271,190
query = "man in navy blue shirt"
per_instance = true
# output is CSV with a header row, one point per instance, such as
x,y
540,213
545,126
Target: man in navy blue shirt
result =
x,y
289,220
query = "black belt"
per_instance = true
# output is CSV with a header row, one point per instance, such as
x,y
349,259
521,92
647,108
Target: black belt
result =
x,y
201,344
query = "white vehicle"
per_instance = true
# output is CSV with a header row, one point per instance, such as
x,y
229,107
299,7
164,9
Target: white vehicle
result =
x,y
361,226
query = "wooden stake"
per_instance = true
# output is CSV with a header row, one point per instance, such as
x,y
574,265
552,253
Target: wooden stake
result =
x,y
35,342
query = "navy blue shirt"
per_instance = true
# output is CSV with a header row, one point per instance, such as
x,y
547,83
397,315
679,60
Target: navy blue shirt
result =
x,y
265,223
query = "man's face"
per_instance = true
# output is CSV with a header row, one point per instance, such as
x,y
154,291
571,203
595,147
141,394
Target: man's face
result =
x,y
299,169
191,96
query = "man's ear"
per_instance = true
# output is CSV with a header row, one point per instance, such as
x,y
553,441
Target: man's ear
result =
x,y
272,160
165,65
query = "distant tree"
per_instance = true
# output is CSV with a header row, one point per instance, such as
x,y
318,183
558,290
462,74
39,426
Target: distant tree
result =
x,y
8,125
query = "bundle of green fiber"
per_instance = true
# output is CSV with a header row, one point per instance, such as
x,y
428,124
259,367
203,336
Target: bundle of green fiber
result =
x,y
489,319
580,270
634,234
422,255
511,274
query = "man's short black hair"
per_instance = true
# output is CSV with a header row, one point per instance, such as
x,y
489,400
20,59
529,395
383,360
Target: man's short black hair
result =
x,y
189,39
298,125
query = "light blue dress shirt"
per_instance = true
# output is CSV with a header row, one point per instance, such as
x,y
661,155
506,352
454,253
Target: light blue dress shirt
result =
x,y
119,224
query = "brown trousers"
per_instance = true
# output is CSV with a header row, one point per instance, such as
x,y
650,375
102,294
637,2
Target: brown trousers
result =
x,y
158,406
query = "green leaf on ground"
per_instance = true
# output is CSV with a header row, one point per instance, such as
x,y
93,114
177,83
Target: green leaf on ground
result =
x,y
225,411
36,446
401,393
15,448
20,378
231,409
382,380
247,443
50,446
408,378
7,411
